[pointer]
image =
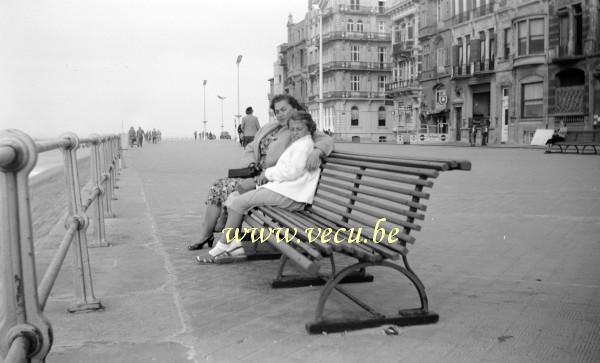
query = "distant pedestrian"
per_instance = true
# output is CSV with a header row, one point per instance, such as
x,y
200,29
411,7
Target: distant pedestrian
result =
x,y
240,135
473,135
596,125
131,137
485,129
140,136
250,126
195,135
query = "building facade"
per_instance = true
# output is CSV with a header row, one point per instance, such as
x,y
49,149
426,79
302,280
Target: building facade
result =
x,y
404,86
441,67
356,68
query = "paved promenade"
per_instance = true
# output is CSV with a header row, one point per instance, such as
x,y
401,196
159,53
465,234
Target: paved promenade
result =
x,y
509,255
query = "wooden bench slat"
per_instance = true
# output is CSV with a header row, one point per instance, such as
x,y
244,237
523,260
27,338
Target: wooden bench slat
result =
x,y
390,188
379,175
392,168
394,254
350,196
454,164
374,193
371,213
432,165
284,218
299,259
357,250
402,236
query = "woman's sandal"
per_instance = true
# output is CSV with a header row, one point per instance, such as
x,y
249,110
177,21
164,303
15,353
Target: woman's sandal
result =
x,y
223,258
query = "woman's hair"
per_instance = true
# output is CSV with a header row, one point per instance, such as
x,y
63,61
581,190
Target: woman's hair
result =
x,y
289,99
306,118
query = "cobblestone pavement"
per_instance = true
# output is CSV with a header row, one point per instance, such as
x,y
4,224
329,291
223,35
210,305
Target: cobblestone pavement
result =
x,y
508,254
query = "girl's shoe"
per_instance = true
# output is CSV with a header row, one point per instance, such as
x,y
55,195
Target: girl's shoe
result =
x,y
198,246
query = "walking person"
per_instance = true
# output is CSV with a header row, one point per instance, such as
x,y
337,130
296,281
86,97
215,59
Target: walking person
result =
x,y
485,129
131,137
473,135
195,135
268,145
250,126
140,136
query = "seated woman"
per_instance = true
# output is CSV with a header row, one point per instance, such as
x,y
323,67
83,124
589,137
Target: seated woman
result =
x,y
558,136
290,185
268,145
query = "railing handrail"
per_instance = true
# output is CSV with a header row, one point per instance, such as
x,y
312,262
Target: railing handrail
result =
x,y
25,334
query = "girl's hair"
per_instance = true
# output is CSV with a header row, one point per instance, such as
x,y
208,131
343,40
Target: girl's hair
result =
x,y
306,118
289,99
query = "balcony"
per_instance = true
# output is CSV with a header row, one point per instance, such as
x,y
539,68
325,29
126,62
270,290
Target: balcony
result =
x,y
353,94
485,66
473,13
403,49
403,85
346,65
462,71
435,73
361,10
344,35
560,54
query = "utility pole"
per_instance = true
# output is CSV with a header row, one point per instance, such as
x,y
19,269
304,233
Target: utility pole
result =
x,y
204,134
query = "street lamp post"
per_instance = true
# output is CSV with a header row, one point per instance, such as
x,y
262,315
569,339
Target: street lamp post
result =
x,y
222,99
320,12
237,121
204,134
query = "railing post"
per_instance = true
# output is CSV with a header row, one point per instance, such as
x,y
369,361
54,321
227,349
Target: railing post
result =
x,y
20,314
98,211
83,273
106,177
113,166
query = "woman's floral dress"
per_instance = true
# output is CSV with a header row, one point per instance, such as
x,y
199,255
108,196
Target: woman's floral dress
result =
x,y
223,187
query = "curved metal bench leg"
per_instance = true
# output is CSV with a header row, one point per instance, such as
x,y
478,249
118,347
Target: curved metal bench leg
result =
x,y
414,316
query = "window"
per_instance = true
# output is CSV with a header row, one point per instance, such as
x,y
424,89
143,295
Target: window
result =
x,y
381,6
578,29
530,36
382,139
350,25
507,35
536,36
355,53
354,4
532,99
492,47
482,46
381,83
460,52
468,49
439,11
563,30
359,26
381,55
381,117
411,31
381,27
354,116
355,83
441,59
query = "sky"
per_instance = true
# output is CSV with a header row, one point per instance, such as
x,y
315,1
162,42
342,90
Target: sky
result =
x,y
101,66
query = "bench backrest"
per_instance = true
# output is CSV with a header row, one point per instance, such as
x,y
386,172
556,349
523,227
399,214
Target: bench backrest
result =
x,y
583,136
359,190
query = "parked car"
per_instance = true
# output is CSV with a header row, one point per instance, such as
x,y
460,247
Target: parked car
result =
x,y
225,136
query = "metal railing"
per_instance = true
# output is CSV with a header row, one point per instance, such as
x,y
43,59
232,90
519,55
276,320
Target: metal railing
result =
x,y
359,66
25,333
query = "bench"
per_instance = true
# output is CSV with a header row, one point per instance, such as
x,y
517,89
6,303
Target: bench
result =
x,y
580,139
357,191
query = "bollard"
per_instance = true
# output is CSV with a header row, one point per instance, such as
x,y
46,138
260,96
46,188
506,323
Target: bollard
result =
x,y
98,211
23,326
83,273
